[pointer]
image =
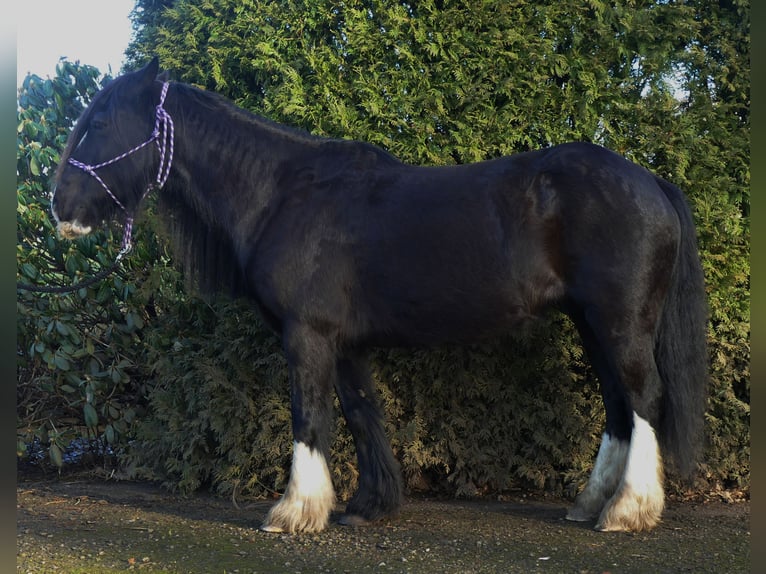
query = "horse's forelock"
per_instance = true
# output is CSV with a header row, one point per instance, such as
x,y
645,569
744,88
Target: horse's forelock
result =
x,y
112,91
81,125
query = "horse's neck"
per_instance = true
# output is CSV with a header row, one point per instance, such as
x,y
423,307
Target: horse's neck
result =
x,y
228,165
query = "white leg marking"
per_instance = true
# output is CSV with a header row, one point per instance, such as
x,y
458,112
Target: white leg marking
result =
x,y
603,481
309,498
638,503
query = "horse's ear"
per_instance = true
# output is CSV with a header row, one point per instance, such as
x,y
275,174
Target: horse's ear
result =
x,y
164,76
148,73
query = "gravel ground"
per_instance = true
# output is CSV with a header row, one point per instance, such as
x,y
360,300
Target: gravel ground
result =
x,y
98,527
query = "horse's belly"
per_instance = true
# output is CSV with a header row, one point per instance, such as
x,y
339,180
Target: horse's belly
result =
x,y
447,313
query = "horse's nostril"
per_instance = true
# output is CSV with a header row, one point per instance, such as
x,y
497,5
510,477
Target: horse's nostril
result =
x,y
72,230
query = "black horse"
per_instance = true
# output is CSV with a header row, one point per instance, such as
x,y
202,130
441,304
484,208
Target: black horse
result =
x,y
344,248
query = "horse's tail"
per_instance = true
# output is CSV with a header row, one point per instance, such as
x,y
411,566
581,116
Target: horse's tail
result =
x,y
681,349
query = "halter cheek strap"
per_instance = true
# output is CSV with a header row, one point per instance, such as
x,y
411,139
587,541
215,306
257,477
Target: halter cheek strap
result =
x,y
162,135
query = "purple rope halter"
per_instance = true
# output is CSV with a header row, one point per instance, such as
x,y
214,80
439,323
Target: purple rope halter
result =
x,y
162,135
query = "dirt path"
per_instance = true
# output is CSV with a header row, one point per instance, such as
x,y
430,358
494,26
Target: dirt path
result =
x,y
91,527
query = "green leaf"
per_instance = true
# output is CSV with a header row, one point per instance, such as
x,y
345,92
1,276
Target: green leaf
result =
x,y
62,328
34,167
109,434
29,270
61,362
56,456
91,416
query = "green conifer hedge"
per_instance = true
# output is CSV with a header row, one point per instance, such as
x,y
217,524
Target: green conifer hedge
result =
x,y
196,390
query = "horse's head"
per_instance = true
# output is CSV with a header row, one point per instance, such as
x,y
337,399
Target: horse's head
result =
x,y
111,158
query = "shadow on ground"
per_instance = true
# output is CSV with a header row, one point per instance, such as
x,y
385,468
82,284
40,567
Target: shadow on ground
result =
x,y
98,527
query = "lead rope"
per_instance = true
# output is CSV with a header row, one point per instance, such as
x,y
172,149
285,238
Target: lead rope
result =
x,y
163,135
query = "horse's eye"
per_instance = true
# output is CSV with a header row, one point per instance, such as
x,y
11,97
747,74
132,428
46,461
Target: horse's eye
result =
x,y
99,121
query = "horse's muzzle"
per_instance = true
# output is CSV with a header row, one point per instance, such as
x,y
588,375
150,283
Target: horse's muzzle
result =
x,y
72,229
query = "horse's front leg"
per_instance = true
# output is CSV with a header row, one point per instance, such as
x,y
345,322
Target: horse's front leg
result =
x,y
309,497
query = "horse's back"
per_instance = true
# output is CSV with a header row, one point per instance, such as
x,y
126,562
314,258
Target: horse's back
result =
x,y
447,253
409,255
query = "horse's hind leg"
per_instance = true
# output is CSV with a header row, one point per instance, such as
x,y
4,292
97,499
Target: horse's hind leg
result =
x,y
625,489
380,488
309,497
615,441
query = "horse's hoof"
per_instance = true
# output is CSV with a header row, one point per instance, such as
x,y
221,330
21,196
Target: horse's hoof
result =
x,y
270,528
353,520
604,528
579,515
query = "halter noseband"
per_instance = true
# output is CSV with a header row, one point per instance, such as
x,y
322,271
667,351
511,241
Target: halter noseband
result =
x,y
162,135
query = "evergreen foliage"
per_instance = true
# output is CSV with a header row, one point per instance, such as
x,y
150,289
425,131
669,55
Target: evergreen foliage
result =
x,y
665,83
